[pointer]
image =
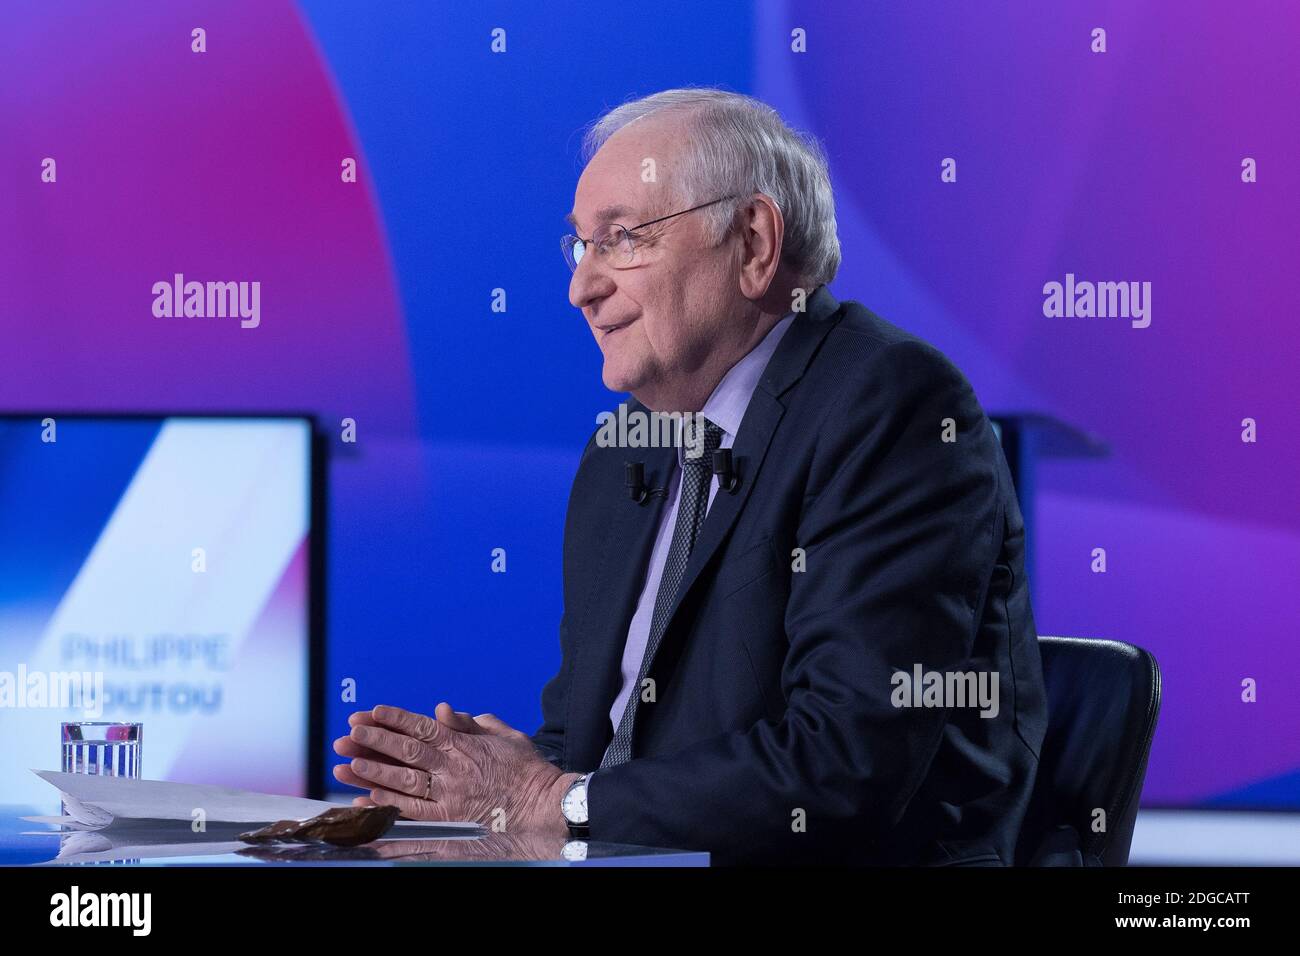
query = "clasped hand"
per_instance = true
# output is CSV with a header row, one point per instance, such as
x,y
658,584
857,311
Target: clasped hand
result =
x,y
452,767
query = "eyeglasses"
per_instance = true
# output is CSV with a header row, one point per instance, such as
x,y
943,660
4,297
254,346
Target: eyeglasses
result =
x,y
615,244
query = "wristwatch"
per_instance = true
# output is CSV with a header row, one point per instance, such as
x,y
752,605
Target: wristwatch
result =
x,y
574,807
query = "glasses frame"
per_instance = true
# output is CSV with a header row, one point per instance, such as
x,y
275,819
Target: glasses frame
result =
x,y
568,241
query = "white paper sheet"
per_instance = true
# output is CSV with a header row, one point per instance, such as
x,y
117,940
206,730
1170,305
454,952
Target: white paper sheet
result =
x,y
97,801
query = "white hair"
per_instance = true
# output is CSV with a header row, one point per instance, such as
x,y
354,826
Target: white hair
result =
x,y
737,145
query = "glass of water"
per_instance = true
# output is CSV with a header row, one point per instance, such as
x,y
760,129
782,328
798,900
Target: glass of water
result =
x,y
102,747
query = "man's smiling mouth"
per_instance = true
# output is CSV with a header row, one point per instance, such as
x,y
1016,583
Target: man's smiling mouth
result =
x,y
607,330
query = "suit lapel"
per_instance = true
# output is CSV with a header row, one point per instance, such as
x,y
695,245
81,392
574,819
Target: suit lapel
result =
x,y
620,575
762,416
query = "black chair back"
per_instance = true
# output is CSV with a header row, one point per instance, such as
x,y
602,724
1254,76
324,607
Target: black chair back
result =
x,y
1103,698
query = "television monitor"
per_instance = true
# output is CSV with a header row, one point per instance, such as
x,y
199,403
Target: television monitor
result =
x,y
165,570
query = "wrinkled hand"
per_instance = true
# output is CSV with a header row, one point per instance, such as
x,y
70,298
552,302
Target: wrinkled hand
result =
x,y
454,767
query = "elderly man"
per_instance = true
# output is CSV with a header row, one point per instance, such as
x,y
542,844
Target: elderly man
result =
x,y
819,649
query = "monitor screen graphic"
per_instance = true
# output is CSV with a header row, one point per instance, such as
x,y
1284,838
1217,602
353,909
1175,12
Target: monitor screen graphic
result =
x,y
157,570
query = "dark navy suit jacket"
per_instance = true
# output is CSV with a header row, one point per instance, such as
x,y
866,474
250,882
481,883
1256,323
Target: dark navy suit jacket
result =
x,y
772,737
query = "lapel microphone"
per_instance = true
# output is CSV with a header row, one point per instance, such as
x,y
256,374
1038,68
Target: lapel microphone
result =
x,y
634,482
725,472
634,478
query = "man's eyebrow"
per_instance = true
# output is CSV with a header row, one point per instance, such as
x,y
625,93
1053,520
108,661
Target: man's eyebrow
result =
x,y
604,214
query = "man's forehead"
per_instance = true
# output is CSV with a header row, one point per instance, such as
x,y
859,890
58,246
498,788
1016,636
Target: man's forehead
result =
x,y
614,179
614,212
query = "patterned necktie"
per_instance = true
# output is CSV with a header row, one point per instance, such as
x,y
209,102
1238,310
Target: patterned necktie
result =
x,y
693,502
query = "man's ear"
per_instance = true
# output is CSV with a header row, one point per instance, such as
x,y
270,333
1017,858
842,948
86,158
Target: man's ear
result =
x,y
762,232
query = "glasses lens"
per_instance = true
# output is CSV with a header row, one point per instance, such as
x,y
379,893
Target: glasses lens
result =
x,y
615,245
574,249
611,242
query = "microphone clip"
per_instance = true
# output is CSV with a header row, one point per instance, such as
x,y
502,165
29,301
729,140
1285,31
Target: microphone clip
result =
x,y
634,482
724,469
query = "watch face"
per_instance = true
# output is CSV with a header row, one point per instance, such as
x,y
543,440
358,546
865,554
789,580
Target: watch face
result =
x,y
574,804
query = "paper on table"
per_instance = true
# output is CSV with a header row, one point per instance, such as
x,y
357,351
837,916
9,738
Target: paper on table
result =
x,y
97,801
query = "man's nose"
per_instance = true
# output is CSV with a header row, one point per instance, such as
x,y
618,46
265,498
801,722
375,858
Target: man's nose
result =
x,y
589,284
